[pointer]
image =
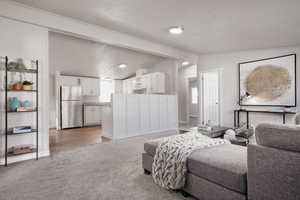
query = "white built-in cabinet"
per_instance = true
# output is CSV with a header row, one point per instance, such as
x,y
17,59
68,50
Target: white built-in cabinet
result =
x,y
90,86
128,86
138,114
157,83
92,115
70,80
152,83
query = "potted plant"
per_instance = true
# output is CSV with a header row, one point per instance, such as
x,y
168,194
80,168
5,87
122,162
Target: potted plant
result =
x,y
27,85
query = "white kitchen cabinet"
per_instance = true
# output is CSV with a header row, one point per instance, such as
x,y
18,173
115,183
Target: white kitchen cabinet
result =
x,y
128,85
157,83
92,115
141,82
69,80
90,86
125,87
153,83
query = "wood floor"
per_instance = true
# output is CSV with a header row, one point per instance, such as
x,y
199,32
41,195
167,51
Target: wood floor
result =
x,y
70,139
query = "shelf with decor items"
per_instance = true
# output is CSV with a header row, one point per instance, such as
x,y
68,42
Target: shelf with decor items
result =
x,y
20,88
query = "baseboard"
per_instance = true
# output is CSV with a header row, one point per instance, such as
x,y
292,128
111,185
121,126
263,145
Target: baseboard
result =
x,y
25,157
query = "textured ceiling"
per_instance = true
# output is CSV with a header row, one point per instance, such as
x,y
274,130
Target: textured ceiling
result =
x,y
210,25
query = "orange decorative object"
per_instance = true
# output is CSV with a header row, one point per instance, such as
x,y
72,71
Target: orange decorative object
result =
x,y
17,86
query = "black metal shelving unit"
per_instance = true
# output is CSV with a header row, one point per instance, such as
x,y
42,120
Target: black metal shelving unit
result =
x,y
8,112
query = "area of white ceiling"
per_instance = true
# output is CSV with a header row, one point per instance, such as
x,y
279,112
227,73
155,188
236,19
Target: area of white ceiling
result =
x,y
210,25
75,56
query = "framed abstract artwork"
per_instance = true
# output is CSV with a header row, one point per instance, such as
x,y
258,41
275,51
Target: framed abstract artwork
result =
x,y
268,82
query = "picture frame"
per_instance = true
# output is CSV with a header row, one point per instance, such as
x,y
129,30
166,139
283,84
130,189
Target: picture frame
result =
x,y
257,87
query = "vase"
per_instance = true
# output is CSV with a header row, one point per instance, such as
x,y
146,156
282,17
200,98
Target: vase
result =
x,y
14,104
26,104
27,87
17,86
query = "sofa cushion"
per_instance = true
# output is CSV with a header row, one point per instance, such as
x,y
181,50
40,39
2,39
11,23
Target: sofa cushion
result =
x,y
278,136
225,165
150,147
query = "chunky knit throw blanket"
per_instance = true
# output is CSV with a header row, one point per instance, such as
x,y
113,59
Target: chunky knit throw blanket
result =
x,y
169,166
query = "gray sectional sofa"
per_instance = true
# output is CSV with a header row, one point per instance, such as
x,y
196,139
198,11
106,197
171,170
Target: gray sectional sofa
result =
x,y
269,170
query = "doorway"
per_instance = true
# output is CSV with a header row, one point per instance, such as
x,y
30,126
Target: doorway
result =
x,y
193,104
210,97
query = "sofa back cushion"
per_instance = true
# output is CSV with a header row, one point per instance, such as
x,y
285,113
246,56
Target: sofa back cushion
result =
x,y
284,137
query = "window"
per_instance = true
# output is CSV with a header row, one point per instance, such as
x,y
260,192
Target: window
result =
x,y
194,95
106,89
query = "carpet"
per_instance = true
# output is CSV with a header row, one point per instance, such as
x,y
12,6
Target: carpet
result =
x,y
106,171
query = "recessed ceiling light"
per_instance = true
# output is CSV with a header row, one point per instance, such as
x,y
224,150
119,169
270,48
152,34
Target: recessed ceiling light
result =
x,y
185,63
176,30
122,66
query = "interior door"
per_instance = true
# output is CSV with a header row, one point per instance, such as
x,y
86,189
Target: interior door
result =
x,y
210,98
193,102
193,98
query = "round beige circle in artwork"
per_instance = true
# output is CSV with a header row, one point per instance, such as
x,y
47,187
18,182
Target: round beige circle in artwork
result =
x,y
268,82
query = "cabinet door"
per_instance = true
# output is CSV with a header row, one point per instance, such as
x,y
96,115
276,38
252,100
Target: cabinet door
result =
x,y
154,84
90,86
125,90
147,82
69,80
162,83
92,115
129,85
95,86
88,115
98,114
157,83
84,82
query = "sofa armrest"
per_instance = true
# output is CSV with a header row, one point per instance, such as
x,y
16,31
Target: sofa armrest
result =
x,y
273,173
284,137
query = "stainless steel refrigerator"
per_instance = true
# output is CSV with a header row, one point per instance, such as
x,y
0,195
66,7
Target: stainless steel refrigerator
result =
x,y
71,107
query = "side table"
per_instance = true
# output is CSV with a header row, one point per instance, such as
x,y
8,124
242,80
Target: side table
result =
x,y
217,131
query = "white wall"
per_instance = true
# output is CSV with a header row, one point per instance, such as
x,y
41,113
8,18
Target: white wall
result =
x,y
184,74
73,56
169,67
229,63
29,42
